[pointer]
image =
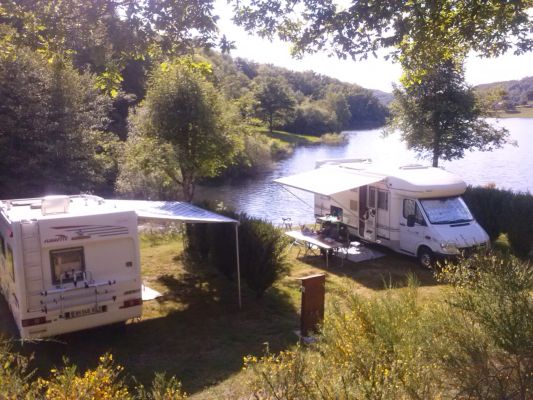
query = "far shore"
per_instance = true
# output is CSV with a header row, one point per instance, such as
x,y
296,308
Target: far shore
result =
x,y
520,112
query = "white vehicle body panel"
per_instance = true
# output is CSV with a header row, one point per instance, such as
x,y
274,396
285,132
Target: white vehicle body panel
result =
x,y
375,211
69,270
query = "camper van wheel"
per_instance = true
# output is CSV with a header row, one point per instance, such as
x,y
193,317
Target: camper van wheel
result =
x,y
425,257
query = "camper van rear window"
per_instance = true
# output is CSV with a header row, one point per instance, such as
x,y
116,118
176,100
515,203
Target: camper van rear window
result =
x,y
2,246
68,265
10,262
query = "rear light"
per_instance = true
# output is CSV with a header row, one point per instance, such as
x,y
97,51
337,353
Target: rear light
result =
x,y
33,321
132,303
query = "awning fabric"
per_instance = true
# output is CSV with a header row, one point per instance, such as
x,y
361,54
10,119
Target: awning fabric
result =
x,y
170,211
329,180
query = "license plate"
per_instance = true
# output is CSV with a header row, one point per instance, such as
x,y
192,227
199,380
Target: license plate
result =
x,y
85,311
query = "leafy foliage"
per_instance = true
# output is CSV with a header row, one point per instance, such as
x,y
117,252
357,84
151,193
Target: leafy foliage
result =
x,y
359,29
488,346
275,100
185,115
368,348
262,253
54,114
502,211
262,249
438,115
474,342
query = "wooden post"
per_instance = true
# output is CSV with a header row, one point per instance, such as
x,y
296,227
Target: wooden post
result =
x,y
313,295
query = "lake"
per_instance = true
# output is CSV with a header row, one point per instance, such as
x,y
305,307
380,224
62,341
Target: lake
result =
x,y
510,167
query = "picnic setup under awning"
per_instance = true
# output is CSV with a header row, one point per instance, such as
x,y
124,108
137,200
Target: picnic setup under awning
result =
x,y
179,211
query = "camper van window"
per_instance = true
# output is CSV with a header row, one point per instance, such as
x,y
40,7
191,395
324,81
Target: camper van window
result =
x,y
10,262
411,208
446,211
372,197
68,265
383,200
2,247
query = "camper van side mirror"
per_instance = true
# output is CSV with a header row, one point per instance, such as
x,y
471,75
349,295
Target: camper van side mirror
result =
x,y
411,220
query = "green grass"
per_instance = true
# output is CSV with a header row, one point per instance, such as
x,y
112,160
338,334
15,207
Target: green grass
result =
x,y
521,112
291,138
196,331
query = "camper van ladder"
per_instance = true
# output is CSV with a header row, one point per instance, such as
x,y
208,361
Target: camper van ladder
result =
x,y
33,272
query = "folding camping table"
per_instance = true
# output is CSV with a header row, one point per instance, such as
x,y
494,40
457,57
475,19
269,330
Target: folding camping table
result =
x,y
310,240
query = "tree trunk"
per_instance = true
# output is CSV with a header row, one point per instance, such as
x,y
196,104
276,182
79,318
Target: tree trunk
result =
x,y
436,149
187,186
271,122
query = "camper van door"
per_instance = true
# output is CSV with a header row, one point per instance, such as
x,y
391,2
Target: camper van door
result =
x,y
414,233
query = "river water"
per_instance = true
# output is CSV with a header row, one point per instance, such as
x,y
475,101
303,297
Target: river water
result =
x,y
510,167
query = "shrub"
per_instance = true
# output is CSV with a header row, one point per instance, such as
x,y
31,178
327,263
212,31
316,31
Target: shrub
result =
x,y
15,376
262,249
373,349
313,119
502,211
103,382
486,345
491,207
520,229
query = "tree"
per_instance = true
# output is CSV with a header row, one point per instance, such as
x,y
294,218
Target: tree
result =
x,y
360,28
275,99
185,114
106,35
226,45
439,115
52,134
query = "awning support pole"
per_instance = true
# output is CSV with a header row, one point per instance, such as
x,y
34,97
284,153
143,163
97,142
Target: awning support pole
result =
x,y
238,262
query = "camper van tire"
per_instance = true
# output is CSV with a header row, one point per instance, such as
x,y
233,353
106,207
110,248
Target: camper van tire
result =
x,y
426,258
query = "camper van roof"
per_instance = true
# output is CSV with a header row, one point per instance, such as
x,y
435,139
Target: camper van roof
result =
x,y
69,206
38,208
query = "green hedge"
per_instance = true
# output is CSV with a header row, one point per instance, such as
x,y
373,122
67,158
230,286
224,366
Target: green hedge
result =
x,y
503,211
261,249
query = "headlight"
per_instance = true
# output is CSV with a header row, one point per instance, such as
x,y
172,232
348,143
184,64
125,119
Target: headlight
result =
x,y
449,248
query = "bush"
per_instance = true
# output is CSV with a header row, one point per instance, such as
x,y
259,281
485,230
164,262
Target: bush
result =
x,y
486,345
261,249
313,119
474,342
491,207
371,349
15,376
502,211
103,382
520,229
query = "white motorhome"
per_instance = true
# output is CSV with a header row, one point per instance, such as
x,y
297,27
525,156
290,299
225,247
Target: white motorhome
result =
x,y
413,209
68,263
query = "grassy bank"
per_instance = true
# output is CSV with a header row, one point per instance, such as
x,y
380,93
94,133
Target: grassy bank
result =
x,y
196,332
520,112
291,138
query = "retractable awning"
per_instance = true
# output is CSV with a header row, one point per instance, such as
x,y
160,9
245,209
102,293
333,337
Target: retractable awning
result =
x,y
179,211
329,180
170,211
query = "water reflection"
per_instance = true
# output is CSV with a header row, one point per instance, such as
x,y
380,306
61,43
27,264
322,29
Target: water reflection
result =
x,y
510,167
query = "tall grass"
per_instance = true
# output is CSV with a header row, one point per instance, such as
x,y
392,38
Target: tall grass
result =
x,y
477,342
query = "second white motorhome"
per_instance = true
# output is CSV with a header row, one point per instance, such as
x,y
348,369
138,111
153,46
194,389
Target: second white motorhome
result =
x,y
68,263
413,209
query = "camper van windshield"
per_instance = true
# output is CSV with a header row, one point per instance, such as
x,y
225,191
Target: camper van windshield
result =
x,y
446,211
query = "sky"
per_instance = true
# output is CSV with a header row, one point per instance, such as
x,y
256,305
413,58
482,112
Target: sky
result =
x,y
372,73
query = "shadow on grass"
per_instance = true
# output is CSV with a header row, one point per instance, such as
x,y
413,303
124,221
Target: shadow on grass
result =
x,y
197,334
391,270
